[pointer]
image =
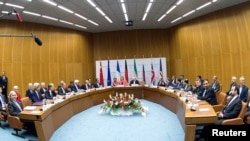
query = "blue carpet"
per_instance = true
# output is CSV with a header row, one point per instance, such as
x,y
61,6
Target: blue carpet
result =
x,y
160,124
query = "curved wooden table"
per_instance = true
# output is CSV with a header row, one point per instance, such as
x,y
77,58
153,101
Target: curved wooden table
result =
x,y
46,122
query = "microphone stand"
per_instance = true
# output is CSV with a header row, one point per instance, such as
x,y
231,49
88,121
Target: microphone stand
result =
x,y
36,39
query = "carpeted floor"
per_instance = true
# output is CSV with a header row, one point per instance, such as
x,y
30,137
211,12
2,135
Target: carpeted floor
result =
x,y
160,124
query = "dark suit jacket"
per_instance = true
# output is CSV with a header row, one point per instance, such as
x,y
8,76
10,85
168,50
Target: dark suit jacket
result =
x,y
97,85
216,86
209,96
187,88
134,82
198,90
161,83
74,88
48,96
244,93
230,87
43,90
29,93
85,87
61,92
34,97
4,101
13,109
232,110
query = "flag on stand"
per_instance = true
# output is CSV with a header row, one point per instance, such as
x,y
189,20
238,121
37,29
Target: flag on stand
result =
x,y
152,74
109,76
161,73
143,74
135,69
126,71
118,72
101,75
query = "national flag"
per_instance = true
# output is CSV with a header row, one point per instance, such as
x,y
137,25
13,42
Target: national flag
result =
x,y
126,70
109,76
118,72
143,74
152,74
101,75
161,74
135,69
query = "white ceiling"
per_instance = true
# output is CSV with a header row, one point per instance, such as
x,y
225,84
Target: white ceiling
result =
x,y
113,9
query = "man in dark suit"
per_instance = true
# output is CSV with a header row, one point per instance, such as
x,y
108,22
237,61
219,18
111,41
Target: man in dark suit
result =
x,y
208,93
86,85
4,83
233,83
50,93
62,89
43,88
232,108
75,86
97,83
243,89
215,85
198,89
186,86
134,81
30,90
36,95
2,103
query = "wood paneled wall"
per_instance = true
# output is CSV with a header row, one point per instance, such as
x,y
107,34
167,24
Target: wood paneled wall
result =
x,y
64,55
215,44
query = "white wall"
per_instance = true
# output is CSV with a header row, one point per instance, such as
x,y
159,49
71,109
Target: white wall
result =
x,y
130,65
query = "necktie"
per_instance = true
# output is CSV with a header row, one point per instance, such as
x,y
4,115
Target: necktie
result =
x,y
87,86
204,92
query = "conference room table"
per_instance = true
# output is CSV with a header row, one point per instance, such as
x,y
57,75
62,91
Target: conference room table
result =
x,y
50,119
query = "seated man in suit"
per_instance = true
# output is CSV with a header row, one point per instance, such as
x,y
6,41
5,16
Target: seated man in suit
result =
x,y
63,89
97,83
198,89
2,103
50,93
208,93
75,86
233,83
243,89
178,84
232,108
161,82
43,88
29,91
86,85
134,81
36,95
186,86
215,85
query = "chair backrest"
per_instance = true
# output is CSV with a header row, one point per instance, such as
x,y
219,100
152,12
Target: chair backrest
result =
x,y
242,111
221,98
14,121
26,101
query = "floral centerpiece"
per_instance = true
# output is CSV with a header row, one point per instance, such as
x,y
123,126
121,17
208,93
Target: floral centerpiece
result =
x,y
122,104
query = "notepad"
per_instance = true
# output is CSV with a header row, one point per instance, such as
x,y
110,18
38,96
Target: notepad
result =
x,y
204,109
35,112
29,108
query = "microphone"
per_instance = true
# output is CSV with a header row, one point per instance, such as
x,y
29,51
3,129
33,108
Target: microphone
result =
x,y
37,40
18,16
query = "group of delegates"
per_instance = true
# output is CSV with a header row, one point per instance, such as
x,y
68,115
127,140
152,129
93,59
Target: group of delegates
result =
x,y
203,90
124,82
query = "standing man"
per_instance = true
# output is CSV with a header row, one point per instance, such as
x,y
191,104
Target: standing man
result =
x,y
4,83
